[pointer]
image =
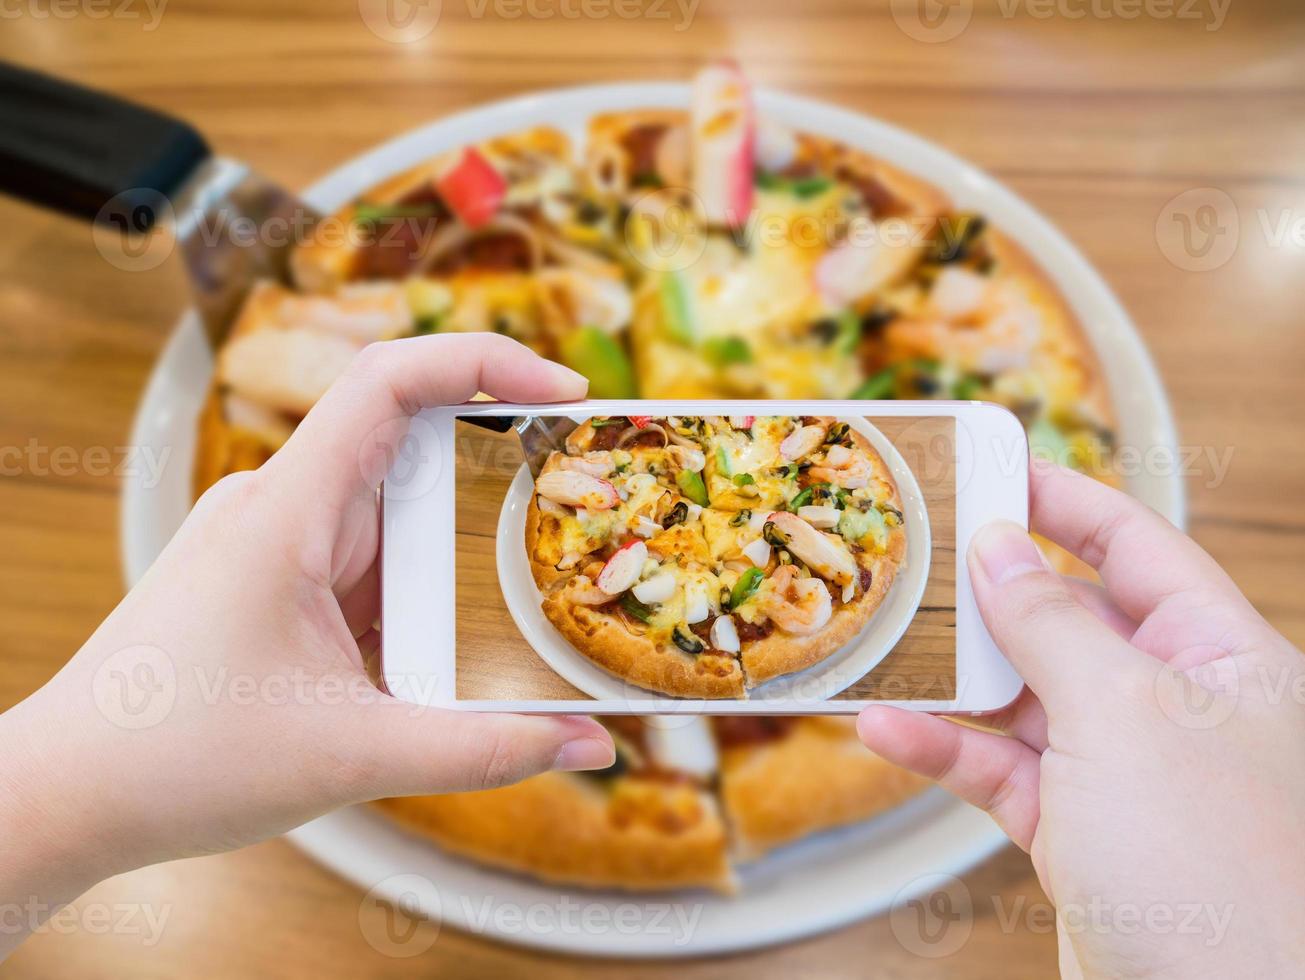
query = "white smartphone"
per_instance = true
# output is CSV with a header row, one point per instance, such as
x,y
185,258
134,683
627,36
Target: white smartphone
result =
x,y
696,556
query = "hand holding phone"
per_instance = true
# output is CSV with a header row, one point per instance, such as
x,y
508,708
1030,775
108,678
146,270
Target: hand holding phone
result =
x,y
713,556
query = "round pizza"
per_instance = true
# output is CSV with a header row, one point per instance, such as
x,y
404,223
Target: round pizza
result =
x,y
701,556
702,252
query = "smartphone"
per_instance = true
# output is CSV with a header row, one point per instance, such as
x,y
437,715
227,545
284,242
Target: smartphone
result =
x,y
720,557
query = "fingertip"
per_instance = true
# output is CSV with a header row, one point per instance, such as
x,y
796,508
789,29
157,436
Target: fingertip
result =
x,y
588,753
1002,550
568,385
880,727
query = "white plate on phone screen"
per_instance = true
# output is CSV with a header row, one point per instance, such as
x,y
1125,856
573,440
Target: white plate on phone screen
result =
x,y
816,885
833,674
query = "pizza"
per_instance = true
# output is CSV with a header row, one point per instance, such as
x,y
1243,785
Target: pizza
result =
x,y
701,556
685,804
667,254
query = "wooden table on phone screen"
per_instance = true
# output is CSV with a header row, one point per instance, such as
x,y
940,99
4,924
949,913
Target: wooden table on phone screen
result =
x,y
1100,122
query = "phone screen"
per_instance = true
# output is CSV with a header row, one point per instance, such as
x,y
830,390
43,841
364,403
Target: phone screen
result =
x,y
707,558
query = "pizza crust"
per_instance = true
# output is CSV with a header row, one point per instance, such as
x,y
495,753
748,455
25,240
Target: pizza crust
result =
x,y
816,777
572,830
604,639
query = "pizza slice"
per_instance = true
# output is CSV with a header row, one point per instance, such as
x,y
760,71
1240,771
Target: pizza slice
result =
x,y
650,822
785,778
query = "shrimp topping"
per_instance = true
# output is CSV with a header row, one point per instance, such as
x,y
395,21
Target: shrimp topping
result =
x,y
802,441
796,605
824,554
577,490
597,464
583,592
843,468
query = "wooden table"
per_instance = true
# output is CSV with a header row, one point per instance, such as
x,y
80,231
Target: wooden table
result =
x,y
1100,122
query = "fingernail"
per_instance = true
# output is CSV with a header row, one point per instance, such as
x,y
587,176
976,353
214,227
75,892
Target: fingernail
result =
x,y
573,383
1005,551
585,753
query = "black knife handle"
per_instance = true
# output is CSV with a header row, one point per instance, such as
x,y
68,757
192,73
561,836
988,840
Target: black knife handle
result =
x,y
495,423
77,150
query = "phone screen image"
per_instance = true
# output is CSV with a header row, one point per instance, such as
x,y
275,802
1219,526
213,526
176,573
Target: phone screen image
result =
x,y
708,559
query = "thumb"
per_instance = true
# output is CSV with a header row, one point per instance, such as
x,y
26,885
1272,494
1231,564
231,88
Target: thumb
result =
x,y
1064,653
413,749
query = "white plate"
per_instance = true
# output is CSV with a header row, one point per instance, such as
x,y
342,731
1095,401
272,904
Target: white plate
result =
x,y
820,884
841,668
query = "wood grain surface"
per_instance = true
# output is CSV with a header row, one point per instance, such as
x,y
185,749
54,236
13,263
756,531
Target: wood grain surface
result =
x,y
1101,122
494,662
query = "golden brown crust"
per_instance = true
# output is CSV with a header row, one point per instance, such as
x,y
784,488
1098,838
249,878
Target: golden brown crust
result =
x,y
634,834
779,654
604,639
816,777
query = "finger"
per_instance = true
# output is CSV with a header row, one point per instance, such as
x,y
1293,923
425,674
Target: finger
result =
x,y
1064,653
361,605
411,749
343,448
1097,601
997,774
1024,719
1142,558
